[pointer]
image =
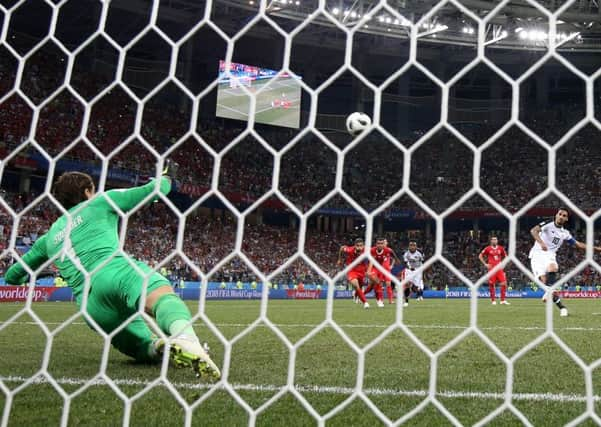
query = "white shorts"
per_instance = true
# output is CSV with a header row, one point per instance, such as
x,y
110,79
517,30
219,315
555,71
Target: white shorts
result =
x,y
415,277
540,262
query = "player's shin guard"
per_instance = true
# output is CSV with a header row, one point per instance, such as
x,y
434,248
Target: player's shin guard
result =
x,y
503,292
493,292
389,293
173,316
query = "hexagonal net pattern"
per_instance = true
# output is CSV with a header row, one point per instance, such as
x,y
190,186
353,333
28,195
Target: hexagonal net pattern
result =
x,y
151,34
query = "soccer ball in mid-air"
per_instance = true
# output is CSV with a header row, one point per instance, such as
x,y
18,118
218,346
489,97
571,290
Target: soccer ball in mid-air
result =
x,y
357,123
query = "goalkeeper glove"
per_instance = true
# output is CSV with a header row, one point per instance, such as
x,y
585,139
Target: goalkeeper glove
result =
x,y
171,168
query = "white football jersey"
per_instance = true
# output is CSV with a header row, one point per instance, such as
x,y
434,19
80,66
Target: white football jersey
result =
x,y
413,260
553,236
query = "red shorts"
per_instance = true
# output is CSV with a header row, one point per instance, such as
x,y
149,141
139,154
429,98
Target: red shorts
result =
x,y
499,276
356,274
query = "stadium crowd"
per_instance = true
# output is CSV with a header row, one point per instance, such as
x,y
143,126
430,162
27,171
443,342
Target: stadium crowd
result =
x,y
208,239
513,170
373,169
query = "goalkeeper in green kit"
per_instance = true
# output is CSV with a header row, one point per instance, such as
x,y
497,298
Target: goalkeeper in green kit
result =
x,y
115,288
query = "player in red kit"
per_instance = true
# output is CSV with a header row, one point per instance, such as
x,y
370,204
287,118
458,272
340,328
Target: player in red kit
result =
x,y
356,276
385,257
390,285
494,255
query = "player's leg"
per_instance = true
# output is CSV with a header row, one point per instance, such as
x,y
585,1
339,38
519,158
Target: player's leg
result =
x,y
383,278
135,340
409,288
375,280
355,296
419,284
538,265
372,282
504,292
419,292
354,280
405,287
502,278
551,278
390,285
380,291
172,316
492,290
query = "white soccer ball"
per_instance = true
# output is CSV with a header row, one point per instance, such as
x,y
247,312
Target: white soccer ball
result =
x,y
357,123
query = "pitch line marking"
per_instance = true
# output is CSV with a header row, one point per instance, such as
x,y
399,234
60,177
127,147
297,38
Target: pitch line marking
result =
x,y
365,326
555,397
232,109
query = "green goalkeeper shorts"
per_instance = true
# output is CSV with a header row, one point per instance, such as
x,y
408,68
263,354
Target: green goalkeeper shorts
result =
x,y
113,299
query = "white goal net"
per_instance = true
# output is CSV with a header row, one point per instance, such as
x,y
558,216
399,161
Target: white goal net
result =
x,y
485,118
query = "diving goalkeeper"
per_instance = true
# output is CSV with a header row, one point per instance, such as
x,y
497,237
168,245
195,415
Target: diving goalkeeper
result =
x,y
115,288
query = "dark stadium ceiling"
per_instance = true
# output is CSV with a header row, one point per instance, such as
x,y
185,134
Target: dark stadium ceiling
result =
x,y
518,25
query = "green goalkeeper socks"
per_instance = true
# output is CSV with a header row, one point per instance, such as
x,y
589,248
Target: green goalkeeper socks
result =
x,y
173,316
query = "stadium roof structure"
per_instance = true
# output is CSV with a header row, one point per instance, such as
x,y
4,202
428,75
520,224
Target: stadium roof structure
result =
x,y
518,25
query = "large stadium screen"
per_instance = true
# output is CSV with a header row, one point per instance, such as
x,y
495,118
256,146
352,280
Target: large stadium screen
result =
x,y
278,104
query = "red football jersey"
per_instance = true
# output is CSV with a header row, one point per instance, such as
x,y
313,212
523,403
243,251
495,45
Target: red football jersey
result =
x,y
351,256
494,255
383,257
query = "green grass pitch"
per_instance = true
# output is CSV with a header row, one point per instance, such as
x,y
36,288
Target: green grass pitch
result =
x,y
549,387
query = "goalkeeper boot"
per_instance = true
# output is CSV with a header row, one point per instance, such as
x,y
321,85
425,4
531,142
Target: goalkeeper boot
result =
x,y
189,353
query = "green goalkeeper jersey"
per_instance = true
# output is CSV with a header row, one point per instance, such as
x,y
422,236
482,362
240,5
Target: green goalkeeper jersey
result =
x,y
93,237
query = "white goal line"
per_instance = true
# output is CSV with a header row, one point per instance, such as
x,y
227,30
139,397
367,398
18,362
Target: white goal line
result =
x,y
272,388
367,326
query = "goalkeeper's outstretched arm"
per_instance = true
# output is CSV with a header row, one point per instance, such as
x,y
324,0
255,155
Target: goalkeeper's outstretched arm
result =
x,y
36,256
128,198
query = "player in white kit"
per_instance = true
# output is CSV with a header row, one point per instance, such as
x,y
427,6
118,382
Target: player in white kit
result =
x,y
413,272
549,236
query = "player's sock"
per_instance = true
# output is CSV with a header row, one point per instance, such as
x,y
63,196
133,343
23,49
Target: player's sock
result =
x,y
551,278
369,288
173,316
493,292
389,293
379,292
557,301
407,292
503,292
360,294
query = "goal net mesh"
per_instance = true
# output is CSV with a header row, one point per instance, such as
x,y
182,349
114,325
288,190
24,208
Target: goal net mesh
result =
x,y
76,89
